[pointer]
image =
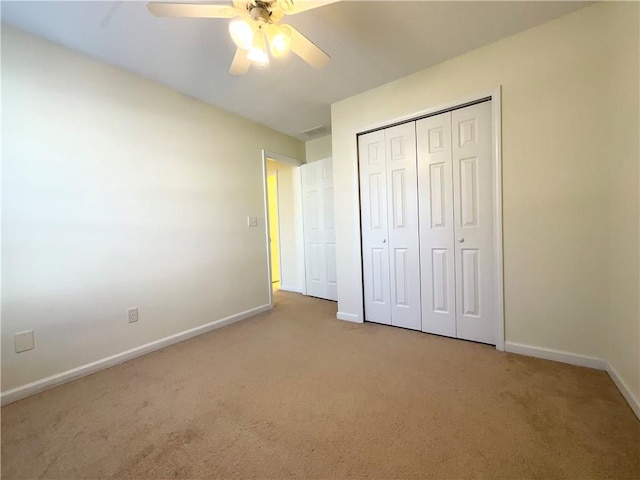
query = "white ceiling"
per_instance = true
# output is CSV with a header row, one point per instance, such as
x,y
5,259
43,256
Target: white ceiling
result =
x,y
371,43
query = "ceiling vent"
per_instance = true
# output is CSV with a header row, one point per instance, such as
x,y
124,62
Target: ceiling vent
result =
x,y
316,132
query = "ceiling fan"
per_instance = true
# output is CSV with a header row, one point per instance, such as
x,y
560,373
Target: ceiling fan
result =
x,y
255,29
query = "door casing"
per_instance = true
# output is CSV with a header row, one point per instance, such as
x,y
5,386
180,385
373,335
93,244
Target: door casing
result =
x,y
266,154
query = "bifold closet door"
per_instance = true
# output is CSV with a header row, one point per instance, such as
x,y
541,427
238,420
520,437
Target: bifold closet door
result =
x,y
455,175
375,245
390,239
373,218
437,250
319,229
474,222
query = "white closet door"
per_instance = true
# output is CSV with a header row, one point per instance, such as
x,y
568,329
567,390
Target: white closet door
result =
x,y
319,229
403,241
435,187
375,246
473,213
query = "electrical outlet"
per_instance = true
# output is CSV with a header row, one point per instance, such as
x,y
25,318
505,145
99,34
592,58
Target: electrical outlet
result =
x,y
133,315
252,221
24,341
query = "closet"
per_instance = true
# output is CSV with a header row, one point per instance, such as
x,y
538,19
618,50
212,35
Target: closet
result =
x,y
427,220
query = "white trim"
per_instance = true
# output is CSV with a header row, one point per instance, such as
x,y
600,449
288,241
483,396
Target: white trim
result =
x,y
429,111
498,253
54,380
496,119
266,226
278,157
349,317
624,390
556,355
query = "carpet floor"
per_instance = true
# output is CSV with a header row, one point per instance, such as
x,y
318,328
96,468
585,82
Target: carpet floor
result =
x,y
296,393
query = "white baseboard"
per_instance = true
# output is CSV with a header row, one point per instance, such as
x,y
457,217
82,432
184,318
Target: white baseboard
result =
x,y
581,361
624,390
349,317
288,288
556,355
58,379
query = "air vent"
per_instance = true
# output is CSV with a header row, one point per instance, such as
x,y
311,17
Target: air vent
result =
x,y
316,132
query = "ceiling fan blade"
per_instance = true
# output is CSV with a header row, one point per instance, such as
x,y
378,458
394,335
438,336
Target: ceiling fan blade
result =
x,y
193,10
305,48
240,5
291,7
241,62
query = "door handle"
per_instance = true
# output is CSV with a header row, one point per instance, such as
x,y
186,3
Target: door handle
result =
x,y
460,239
384,240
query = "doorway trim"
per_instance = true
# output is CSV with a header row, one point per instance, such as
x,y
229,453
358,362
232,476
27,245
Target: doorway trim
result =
x,y
495,96
278,157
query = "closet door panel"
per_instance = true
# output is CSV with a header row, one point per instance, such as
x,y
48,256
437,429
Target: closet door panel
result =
x,y
319,229
313,205
437,257
402,205
473,212
375,244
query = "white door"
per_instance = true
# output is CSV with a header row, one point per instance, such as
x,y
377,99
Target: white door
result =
x,y
375,246
473,213
389,220
402,205
437,254
319,229
455,175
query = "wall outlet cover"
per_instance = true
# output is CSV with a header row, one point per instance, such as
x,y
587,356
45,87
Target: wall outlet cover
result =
x,y
133,315
252,221
24,341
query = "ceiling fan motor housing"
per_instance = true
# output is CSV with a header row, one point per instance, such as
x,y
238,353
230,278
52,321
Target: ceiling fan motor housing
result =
x,y
260,12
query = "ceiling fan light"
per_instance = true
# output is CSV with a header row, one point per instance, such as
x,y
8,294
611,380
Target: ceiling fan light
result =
x,y
279,40
280,45
258,56
258,52
241,33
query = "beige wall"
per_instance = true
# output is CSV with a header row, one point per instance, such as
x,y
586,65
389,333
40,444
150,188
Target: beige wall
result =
x,y
118,192
570,177
318,149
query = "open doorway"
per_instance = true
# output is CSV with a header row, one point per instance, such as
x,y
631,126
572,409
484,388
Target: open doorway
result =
x,y
274,224
284,232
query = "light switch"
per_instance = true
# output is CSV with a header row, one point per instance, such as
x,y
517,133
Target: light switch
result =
x,y
24,341
252,221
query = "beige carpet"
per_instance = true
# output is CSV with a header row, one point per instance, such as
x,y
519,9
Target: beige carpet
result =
x,y
297,393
